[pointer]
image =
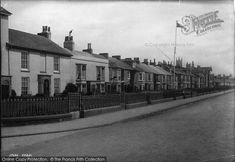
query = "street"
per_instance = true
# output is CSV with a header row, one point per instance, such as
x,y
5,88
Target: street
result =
x,y
202,131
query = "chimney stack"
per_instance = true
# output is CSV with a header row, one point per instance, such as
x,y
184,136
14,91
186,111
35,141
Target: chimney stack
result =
x,y
68,42
89,49
192,64
146,61
46,32
128,59
117,57
106,55
153,63
137,60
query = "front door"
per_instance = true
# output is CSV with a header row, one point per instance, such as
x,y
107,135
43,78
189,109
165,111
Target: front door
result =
x,y
46,87
5,91
44,84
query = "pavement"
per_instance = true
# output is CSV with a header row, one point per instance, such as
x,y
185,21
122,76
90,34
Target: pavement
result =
x,y
100,120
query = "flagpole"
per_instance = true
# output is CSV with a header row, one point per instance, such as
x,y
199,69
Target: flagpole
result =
x,y
175,54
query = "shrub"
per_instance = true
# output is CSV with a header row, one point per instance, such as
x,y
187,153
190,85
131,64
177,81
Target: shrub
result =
x,y
70,87
13,93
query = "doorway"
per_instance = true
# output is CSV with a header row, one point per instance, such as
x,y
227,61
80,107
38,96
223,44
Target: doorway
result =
x,y
44,84
46,87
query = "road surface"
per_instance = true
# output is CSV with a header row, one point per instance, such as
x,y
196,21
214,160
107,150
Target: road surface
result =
x,y
202,131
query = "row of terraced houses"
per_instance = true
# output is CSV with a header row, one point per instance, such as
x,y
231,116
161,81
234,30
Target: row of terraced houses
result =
x,y
33,64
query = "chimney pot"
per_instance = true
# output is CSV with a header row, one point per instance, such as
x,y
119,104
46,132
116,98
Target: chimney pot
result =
x,y
45,32
69,43
89,49
117,57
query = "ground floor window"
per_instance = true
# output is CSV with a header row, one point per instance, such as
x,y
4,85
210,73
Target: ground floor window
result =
x,y
102,88
57,85
119,88
25,85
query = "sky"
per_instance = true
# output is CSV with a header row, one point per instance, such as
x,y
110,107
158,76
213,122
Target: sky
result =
x,y
144,29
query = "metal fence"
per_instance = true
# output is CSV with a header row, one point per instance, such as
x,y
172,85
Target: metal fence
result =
x,y
156,95
92,102
74,102
135,97
22,107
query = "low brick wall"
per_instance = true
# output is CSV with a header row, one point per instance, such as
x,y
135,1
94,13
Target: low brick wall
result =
x,y
92,112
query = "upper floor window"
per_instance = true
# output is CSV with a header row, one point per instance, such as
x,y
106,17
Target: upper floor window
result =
x,y
81,71
119,75
56,64
113,74
159,78
149,77
164,78
128,75
100,74
25,85
43,63
141,76
24,60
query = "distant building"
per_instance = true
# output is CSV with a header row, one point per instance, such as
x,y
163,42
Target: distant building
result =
x,y
119,75
32,64
142,75
223,80
162,80
189,76
203,76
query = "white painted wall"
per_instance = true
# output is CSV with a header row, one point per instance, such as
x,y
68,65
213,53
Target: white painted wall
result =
x,y
34,71
91,64
4,40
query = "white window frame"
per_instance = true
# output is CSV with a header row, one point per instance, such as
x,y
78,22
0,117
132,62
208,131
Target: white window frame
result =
x,y
128,75
141,76
119,75
142,87
56,64
25,83
44,58
56,85
101,71
25,61
81,72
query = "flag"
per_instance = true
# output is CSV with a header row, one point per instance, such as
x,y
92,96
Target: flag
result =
x,y
178,25
70,32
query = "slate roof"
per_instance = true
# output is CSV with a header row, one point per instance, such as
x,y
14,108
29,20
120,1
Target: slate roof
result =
x,y
159,70
3,11
198,74
86,54
115,63
27,41
178,71
143,68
